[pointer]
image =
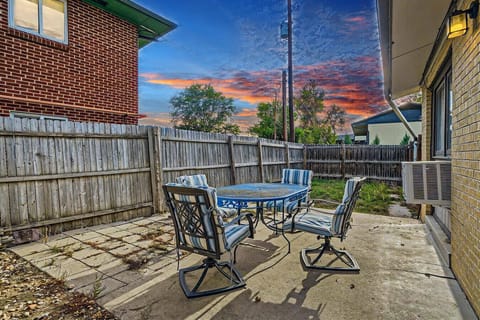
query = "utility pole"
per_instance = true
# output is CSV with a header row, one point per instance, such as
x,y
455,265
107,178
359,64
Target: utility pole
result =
x,y
290,73
275,102
284,105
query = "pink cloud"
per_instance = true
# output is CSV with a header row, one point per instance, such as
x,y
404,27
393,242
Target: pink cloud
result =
x,y
353,85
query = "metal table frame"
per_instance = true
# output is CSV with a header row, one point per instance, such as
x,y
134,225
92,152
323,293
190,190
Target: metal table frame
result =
x,y
240,197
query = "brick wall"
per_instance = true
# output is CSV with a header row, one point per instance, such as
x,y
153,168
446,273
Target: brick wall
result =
x,y
92,78
465,157
466,162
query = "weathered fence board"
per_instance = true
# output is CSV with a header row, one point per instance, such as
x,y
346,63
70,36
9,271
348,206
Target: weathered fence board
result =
x,y
65,175
69,175
344,161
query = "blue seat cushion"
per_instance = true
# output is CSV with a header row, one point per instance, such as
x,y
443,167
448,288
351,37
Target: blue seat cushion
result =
x,y
227,212
316,223
290,206
234,234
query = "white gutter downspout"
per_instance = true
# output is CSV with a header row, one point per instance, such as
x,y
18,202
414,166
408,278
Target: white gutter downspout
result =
x,y
400,116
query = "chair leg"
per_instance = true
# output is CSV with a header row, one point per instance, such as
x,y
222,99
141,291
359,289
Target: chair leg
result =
x,y
342,255
234,276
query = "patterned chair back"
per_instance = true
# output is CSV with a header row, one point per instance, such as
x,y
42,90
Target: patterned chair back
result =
x,y
195,180
300,177
198,227
343,213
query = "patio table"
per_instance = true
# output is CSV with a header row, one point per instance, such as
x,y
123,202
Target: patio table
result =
x,y
240,196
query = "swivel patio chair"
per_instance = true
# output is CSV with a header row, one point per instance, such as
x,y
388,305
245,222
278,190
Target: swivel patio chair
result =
x,y
293,176
327,226
200,180
199,228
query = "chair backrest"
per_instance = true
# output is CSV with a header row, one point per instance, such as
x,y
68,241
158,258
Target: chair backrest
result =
x,y
195,180
343,213
297,176
198,227
300,177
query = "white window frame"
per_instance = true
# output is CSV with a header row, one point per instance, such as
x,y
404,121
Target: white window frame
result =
x,y
27,115
11,22
443,87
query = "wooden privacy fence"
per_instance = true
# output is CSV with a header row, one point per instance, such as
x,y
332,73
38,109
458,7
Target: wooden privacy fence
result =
x,y
376,162
70,174
65,175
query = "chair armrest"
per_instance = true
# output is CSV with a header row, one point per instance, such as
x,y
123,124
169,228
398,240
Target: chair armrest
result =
x,y
314,210
326,201
249,218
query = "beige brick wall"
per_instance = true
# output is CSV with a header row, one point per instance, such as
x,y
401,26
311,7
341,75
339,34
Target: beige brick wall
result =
x,y
466,165
465,211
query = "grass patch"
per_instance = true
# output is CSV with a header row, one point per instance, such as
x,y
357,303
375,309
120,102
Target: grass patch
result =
x,y
375,197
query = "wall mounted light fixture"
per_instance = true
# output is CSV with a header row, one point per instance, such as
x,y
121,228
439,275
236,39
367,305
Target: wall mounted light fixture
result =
x,y
458,22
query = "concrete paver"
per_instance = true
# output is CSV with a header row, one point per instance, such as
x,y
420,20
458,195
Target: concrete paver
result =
x,y
99,259
125,250
401,275
85,253
85,236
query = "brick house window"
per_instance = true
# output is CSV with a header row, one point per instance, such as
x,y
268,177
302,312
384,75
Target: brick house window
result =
x,y
15,114
45,18
442,114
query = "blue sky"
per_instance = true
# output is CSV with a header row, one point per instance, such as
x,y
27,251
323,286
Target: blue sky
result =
x,y
236,47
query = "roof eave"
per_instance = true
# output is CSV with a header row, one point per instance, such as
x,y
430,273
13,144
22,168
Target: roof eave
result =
x,y
150,25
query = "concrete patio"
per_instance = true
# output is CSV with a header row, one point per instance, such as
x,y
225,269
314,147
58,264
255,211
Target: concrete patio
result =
x,y
131,268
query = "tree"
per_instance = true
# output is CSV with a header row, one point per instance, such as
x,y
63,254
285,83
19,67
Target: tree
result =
x,y
265,128
335,117
201,108
321,134
376,141
405,140
347,139
309,103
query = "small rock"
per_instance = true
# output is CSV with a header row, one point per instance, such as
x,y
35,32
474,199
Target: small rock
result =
x,y
352,286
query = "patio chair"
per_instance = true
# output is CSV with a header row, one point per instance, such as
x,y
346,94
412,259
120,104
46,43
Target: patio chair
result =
x,y
199,228
200,180
327,226
294,176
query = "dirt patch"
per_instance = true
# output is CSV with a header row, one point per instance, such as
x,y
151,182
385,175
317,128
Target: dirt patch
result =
x,y
28,293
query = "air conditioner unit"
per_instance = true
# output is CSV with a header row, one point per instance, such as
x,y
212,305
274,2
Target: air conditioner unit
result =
x,y
427,182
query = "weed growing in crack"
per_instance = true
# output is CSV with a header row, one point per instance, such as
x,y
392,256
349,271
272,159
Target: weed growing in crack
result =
x,y
98,287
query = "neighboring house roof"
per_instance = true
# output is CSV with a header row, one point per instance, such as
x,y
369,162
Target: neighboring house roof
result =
x,y
411,111
150,25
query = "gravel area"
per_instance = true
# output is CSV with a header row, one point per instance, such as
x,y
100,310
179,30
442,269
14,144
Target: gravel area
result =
x,y
28,293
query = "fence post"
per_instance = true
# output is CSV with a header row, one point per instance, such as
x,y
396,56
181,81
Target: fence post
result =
x,y
287,154
260,160
304,157
342,165
153,171
419,147
232,160
157,142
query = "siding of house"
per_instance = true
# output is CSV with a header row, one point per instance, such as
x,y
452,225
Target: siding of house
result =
x,y
92,78
391,133
465,211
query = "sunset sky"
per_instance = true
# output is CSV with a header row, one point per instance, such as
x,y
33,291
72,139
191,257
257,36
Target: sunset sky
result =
x,y
235,46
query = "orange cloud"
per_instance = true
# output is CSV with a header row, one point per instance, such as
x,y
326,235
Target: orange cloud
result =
x,y
357,19
247,113
352,84
228,87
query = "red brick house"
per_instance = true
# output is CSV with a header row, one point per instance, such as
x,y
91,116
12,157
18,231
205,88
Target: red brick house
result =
x,y
73,59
